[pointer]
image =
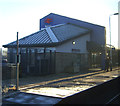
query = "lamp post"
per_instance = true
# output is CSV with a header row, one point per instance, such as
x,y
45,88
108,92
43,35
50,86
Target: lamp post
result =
x,y
110,38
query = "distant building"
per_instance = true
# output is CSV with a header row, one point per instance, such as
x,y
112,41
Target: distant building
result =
x,y
61,44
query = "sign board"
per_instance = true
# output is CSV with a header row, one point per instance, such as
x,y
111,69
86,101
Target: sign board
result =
x,y
75,50
48,20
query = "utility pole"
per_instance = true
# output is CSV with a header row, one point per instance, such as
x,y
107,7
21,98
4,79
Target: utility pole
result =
x,y
17,66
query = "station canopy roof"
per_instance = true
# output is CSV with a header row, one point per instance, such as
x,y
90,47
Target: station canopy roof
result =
x,y
51,36
94,47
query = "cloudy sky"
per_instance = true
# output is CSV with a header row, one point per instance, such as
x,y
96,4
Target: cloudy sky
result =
x,y
23,15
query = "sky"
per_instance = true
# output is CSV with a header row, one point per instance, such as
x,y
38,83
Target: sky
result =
x,y
23,16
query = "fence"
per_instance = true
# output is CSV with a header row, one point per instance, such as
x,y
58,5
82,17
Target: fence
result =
x,y
67,62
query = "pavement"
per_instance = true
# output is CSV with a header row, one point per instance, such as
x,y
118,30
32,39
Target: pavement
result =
x,y
53,91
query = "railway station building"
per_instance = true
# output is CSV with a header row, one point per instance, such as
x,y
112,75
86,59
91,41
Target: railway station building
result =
x,y
62,44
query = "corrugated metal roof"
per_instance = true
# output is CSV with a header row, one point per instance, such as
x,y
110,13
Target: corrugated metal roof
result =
x,y
94,47
51,34
68,31
39,37
61,33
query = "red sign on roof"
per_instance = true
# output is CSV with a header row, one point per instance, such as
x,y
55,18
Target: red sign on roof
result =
x,y
48,20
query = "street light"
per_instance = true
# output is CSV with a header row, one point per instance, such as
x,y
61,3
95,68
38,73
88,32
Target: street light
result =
x,y
110,37
116,14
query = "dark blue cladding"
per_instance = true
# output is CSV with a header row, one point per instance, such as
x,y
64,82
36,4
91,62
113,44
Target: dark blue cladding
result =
x,y
98,32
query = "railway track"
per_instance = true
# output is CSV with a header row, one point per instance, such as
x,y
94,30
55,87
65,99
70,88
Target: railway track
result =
x,y
97,88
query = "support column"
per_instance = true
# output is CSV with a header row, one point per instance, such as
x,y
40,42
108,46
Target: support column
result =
x,y
44,53
103,56
27,57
